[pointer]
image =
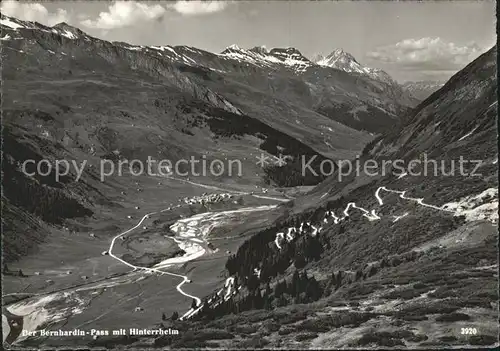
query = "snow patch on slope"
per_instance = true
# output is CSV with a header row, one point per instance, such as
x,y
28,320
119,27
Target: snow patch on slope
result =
x,y
483,206
8,23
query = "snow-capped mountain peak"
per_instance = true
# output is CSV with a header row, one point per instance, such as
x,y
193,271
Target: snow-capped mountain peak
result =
x,y
260,49
338,58
317,58
288,53
291,57
259,55
233,47
68,30
344,61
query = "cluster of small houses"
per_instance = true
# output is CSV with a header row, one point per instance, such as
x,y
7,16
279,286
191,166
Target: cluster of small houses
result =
x,y
207,198
68,272
264,190
203,199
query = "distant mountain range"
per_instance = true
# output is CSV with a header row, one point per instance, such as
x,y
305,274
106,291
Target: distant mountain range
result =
x,y
344,61
422,89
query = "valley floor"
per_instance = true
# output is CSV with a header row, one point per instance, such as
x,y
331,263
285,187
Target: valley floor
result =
x,y
111,283
129,274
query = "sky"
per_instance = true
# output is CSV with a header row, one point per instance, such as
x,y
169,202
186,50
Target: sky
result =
x,y
417,40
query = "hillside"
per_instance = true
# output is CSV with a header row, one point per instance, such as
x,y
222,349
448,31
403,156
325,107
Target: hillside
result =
x,y
371,243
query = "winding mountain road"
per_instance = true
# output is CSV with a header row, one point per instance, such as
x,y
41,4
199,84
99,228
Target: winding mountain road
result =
x,y
147,269
372,215
402,196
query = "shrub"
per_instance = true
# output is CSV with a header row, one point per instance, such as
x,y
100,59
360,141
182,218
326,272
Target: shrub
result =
x,y
432,308
253,343
306,336
290,318
314,325
419,286
380,338
326,323
417,338
286,331
403,294
163,341
453,317
448,339
245,329
414,318
215,335
483,340
362,289
272,326
188,344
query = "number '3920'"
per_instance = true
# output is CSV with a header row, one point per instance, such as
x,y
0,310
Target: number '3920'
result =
x,y
468,331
